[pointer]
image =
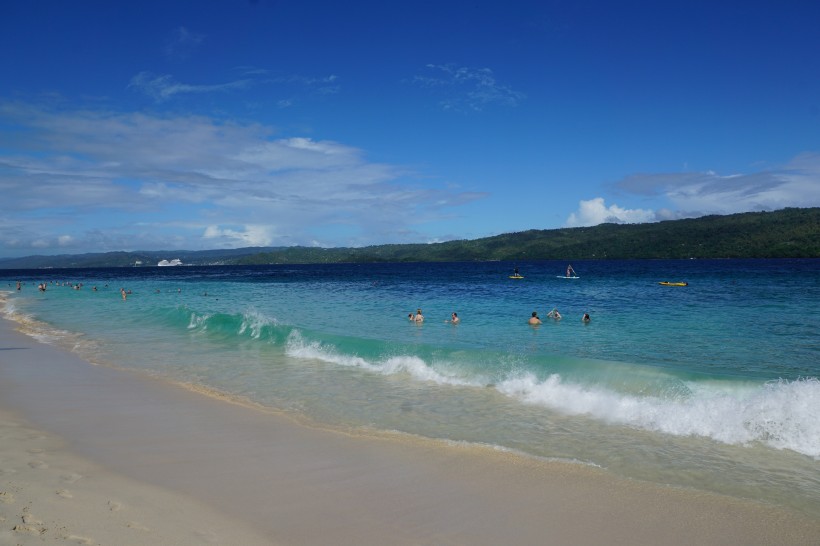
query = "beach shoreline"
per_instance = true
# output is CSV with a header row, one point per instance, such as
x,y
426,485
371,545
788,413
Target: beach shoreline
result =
x,y
227,474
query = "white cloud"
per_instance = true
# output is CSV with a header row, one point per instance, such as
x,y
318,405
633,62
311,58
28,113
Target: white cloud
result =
x,y
595,211
467,88
101,172
796,184
164,87
249,235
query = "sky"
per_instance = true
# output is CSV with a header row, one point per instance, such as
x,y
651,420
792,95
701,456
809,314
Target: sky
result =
x,y
188,125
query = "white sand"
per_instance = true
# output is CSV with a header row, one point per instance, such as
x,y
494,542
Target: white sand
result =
x,y
49,495
132,460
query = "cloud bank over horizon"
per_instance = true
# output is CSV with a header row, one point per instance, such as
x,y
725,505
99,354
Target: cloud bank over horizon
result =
x,y
109,180
692,195
238,185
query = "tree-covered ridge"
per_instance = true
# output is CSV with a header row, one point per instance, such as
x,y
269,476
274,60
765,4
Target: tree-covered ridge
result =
x,y
787,233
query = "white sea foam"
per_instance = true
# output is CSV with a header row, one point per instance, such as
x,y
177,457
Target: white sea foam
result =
x,y
781,414
414,366
198,322
255,321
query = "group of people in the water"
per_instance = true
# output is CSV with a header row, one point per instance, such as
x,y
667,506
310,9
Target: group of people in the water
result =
x,y
555,315
418,317
42,287
534,319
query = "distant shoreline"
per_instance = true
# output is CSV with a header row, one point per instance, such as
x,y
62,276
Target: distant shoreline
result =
x,y
787,233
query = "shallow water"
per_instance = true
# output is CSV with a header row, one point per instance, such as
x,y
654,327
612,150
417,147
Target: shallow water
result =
x,y
713,385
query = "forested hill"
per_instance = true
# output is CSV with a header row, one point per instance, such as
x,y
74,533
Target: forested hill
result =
x,y
787,233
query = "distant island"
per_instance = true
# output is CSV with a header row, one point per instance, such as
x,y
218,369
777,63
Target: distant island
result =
x,y
786,233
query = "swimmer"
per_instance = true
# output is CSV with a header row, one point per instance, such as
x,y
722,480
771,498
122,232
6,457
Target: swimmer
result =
x,y
454,318
554,314
585,318
419,317
534,318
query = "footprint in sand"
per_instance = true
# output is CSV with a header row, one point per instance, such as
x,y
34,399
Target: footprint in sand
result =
x,y
114,506
64,493
137,526
34,450
38,464
71,478
28,530
6,497
79,539
28,519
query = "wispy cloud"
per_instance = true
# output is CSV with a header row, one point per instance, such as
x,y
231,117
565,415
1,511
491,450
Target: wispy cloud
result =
x,y
164,87
466,88
202,182
326,85
182,43
796,184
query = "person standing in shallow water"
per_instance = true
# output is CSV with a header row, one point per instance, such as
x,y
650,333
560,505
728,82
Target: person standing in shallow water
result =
x,y
419,317
534,318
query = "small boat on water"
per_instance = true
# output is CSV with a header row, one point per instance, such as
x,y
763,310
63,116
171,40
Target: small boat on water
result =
x,y
171,263
667,283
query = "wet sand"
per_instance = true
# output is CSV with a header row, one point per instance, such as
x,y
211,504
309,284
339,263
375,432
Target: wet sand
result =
x,y
96,455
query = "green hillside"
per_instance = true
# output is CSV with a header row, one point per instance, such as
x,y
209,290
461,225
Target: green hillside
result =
x,y
787,233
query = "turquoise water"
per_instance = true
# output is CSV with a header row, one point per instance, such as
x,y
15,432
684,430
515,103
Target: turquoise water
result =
x,y
712,386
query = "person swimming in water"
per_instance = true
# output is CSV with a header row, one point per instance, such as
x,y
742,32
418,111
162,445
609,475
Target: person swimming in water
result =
x,y
534,318
454,318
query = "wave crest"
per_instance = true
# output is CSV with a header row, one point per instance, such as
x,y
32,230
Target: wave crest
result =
x,y
781,414
414,366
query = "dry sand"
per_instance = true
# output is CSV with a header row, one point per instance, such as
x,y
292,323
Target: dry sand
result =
x,y
95,455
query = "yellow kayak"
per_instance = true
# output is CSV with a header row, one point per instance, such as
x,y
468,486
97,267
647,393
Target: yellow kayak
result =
x,y
667,283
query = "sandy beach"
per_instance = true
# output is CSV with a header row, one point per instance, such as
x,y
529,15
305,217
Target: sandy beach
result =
x,y
96,455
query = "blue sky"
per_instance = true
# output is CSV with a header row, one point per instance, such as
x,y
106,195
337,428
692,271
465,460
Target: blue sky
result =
x,y
192,125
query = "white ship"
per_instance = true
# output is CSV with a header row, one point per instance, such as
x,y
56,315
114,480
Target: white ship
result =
x,y
166,263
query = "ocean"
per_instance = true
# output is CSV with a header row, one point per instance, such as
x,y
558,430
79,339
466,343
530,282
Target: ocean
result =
x,y
712,386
